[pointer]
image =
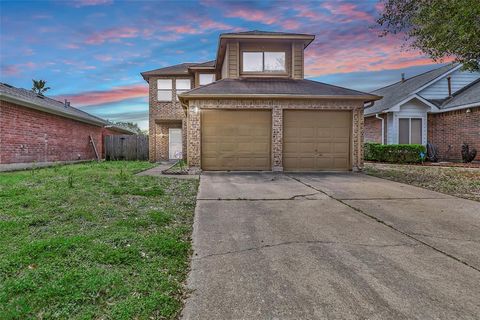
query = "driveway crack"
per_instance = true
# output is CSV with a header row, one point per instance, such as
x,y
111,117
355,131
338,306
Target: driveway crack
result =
x,y
305,242
390,226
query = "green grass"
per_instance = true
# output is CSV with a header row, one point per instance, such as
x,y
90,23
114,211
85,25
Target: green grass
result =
x,y
93,241
459,182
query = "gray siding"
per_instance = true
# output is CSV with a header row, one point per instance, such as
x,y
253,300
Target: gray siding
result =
x,y
439,90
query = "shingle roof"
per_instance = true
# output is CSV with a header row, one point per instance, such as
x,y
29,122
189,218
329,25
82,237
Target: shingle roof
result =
x,y
466,96
275,87
31,99
176,70
399,91
205,64
264,33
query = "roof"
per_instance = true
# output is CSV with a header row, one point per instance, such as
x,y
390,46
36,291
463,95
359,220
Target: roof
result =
x,y
175,70
399,91
208,64
119,128
469,95
32,100
264,33
275,87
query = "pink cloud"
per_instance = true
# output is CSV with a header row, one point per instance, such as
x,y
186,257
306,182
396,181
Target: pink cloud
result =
x,y
103,57
72,46
106,96
113,34
10,70
86,3
252,15
290,24
348,10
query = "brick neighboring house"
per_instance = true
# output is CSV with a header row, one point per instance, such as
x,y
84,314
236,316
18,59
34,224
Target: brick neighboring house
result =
x,y
252,109
37,129
441,106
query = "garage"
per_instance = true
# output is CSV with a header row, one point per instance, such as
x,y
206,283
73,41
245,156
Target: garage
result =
x,y
236,139
316,140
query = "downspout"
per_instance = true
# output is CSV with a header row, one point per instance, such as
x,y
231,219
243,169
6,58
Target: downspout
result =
x,y
383,128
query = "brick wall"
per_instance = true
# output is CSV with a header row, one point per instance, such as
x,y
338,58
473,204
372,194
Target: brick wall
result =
x,y
161,116
277,107
449,130
28,135
373,129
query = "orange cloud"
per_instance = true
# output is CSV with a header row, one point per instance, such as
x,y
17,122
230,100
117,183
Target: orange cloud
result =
x,y
106,96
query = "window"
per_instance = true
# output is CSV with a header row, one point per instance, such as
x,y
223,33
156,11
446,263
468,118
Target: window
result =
x,y
164,87
264,62
182,85
206,78
410,131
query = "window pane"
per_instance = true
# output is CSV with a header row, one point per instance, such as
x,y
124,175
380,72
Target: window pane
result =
x,y
275,61
403,131
253,61
164,84
206,78
179,92
183,84
416,135
164,95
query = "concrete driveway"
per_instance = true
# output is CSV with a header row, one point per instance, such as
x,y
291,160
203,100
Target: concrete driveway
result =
x,y
331,246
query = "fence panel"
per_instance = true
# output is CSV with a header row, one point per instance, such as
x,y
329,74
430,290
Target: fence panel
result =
x,y
126,147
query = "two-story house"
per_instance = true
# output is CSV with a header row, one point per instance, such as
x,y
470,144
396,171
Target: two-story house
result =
x,y
441,106
252,109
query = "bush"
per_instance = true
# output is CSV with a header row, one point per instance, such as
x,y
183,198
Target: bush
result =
x,y
396,153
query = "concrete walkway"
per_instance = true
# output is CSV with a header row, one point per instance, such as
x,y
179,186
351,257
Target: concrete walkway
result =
x,y
331,246
157,172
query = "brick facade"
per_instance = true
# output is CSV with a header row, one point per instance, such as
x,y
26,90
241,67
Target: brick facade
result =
x,y
277,106
28,135
449,130
373,129
162,116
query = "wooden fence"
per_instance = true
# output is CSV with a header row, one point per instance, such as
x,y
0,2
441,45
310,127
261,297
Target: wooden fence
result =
x,y
126,147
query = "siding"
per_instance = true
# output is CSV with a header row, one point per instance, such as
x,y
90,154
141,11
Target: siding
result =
x,y
439,90
232,54
411,109
298,60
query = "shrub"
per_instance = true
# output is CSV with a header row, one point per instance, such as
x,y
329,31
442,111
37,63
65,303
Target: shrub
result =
x,y
396,153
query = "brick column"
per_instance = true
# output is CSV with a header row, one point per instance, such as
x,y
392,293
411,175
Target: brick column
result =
x,y
277,138
193,138
358,131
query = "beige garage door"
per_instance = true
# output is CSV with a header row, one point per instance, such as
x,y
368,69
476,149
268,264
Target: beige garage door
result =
x,y
236,139
316,140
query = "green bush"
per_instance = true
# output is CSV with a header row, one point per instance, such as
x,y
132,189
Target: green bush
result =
x,y
396,153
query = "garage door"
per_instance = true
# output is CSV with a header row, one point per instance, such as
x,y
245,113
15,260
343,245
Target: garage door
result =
x,y
316,140
236,139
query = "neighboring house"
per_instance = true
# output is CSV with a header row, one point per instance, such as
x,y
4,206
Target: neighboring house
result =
x,y
252,109
441,106
38,129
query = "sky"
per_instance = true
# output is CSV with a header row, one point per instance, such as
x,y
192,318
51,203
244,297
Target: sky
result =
x,y
92,51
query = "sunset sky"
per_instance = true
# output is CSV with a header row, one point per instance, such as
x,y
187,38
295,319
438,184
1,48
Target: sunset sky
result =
x,y
92,51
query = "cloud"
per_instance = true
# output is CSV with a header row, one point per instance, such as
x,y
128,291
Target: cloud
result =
x,y
106,96
249,14
348,10
10,70
112,35
89,3
103,57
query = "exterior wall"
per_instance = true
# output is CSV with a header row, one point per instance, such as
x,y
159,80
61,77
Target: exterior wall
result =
x,y
459,80
28,135
449,130
277,106
266,45
373,128
411,109
297,60
161,116
232,59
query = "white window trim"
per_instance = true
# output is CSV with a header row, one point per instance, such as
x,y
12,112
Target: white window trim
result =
x,y
165,90
263,63
182,90
409,128
209,74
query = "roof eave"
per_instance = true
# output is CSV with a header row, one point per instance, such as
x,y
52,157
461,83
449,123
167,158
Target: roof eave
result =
x,y
35,106
187,96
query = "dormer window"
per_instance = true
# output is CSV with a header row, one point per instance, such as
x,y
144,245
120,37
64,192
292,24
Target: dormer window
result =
x,y
268,62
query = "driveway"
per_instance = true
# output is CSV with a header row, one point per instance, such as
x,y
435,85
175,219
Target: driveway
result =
x,y
331,246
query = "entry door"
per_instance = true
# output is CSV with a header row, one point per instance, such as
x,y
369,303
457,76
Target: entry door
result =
x,y
175,143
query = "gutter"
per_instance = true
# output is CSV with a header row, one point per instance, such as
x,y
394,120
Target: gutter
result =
x,y
28,104
370,98
383,127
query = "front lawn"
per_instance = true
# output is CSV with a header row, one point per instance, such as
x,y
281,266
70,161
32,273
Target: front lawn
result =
x,y
460,182
93,241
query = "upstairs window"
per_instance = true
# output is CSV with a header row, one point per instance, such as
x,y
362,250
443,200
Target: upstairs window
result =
x,y
164,89
264,62
206,78
182,85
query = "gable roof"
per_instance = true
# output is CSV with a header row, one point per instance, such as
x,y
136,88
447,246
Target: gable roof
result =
x,y
399,91
275,87
181,69
32,100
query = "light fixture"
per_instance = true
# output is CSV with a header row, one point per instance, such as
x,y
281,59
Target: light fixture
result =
x,y
468,110
195,109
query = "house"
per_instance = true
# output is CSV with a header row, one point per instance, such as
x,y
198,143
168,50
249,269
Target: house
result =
x,y
35,129
252,109
441,106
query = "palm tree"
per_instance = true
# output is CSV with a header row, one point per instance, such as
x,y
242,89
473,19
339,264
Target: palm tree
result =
x,y
39,86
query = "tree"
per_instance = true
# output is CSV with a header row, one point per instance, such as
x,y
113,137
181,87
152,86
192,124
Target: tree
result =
x,y
130,125
39,86
439,28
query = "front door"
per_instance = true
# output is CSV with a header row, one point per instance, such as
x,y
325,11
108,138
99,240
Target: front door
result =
x,y
175,143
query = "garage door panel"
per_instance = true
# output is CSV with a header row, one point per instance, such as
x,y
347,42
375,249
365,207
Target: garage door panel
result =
x,y
316,140
236,139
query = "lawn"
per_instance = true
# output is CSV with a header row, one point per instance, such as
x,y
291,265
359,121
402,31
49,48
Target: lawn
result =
x,y
460,182
94,241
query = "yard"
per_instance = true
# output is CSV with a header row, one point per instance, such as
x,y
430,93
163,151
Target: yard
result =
x,y
94,241
460,182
